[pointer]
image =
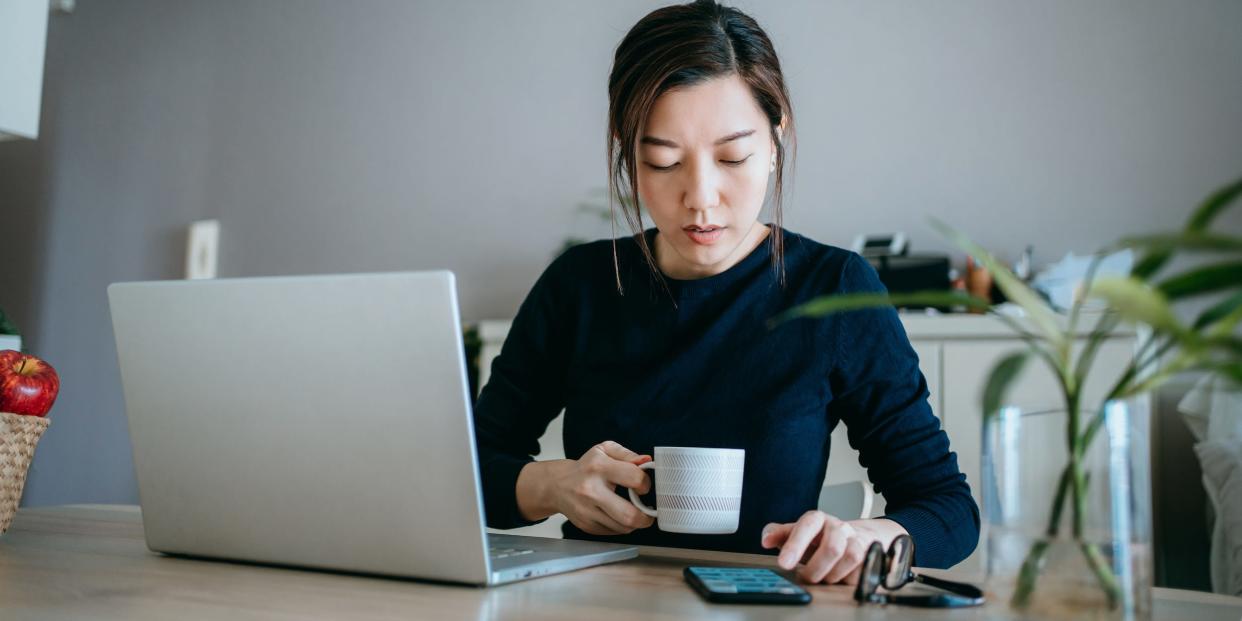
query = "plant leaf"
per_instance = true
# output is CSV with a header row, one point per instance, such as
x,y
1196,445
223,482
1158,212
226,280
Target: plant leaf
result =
x,y
1226,324
1151,263
1221,310
1199,281
1207,211
1134,299
1227,343
1229,370
829,304
1233,372
1036,308
1098,335
1214,205
6,326
999,379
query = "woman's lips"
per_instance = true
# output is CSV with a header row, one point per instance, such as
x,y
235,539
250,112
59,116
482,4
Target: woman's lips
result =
x,y
704,237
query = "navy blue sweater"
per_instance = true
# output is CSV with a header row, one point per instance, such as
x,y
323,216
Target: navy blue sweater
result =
x,y
707,371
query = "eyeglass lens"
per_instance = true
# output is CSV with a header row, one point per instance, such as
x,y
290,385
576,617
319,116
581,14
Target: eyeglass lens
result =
x,y
899,558
872,573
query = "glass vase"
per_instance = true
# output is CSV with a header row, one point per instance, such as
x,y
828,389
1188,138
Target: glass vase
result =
x,y
1069,537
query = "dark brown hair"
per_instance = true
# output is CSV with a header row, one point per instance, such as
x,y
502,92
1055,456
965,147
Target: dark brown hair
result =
x,y
679,46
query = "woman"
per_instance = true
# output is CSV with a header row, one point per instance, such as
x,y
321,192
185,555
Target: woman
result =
x,y
660,338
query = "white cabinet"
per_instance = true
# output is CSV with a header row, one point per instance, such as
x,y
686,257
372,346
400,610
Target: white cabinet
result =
x,y
956,352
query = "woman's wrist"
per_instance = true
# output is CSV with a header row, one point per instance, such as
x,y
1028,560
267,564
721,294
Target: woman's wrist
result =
x,y
883,530
534,498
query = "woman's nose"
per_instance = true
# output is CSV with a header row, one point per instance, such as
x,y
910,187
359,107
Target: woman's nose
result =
x,y
703,189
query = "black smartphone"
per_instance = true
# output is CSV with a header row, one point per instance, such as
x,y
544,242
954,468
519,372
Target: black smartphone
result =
x,y
744,585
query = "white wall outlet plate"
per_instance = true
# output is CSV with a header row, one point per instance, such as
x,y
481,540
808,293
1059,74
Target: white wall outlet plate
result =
x,y
202,251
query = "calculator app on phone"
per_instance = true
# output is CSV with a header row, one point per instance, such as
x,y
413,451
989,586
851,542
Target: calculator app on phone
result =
x,y
744,585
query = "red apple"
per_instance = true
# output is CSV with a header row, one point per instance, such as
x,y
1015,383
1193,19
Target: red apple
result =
x,y
27,385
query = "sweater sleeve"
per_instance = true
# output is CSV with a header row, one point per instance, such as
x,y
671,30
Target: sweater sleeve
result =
x,y
881,395
524,393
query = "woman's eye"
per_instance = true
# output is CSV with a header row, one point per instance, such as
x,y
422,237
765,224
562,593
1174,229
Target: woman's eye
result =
x,y
674,164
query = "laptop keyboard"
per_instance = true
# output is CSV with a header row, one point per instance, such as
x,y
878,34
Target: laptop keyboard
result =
x,y
504,552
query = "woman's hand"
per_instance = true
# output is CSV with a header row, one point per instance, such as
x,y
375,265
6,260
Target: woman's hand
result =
x,y
583,490
830,549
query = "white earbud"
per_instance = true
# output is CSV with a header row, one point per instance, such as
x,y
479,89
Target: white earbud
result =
x,y
772,168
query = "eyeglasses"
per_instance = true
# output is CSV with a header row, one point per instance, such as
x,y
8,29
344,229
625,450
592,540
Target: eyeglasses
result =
x,y
892,571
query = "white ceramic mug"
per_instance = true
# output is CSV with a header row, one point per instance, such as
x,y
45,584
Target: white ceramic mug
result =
x,y
698,490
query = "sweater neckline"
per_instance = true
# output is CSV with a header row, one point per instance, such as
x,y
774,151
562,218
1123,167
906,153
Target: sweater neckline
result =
x,y
715,283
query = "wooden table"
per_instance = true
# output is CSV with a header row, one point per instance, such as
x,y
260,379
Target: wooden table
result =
x,y
90,562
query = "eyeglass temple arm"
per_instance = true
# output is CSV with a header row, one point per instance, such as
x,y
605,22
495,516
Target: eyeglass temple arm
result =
x,y
937,600
960,588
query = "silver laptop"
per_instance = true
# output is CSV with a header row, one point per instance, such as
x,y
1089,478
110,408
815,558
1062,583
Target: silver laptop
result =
x,y
315,421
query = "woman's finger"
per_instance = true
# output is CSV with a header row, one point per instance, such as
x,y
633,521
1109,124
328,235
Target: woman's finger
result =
x,y
831,549
622,511
853,577
850,562
592,527
603,524
627,475
807,527
775,534
616,451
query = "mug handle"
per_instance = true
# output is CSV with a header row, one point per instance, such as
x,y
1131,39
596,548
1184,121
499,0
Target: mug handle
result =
x,y
637,501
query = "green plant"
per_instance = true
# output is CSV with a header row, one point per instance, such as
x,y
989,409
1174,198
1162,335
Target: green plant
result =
x,y
472,345
1210,343
598,210
6,326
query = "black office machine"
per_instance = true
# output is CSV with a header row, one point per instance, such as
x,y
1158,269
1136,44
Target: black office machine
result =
x,y
899,269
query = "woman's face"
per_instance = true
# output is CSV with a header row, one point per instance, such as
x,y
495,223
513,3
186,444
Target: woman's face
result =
x,y
703,164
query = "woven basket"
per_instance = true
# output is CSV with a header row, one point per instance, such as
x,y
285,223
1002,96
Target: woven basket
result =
x,y
18,437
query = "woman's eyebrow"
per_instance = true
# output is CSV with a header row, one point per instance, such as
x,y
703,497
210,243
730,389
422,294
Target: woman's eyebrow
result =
x,y
663,142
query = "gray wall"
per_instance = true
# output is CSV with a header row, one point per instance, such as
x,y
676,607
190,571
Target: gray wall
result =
x,y
339,137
